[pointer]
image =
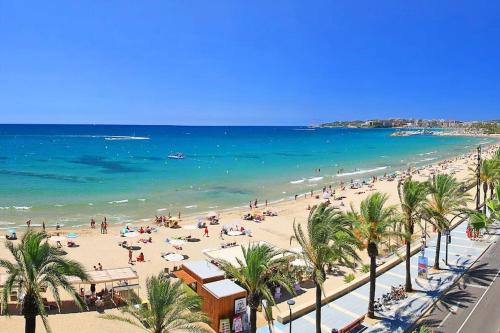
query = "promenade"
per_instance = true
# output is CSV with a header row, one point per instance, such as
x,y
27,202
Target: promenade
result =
x,y
462,253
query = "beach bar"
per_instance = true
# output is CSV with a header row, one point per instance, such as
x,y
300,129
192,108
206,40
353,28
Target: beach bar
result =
x,y
222,299
197,273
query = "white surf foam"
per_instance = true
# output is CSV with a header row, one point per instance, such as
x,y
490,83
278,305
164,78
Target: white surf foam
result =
x,y
359,172
118,201
191,206
21,207
297,181
315,179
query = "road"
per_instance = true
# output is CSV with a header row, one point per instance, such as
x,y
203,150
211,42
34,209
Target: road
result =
x,y
473,304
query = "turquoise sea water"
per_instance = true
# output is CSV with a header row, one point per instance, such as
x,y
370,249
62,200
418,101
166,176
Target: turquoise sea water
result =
x,y
67,174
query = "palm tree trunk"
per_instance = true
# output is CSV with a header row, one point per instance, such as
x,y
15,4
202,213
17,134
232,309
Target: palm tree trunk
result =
x,y
29,324
438,249
408,286
372,251
253,319
485,195
318,308
29,311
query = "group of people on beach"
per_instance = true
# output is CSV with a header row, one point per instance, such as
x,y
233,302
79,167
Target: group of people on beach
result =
x,y
255,203
104,225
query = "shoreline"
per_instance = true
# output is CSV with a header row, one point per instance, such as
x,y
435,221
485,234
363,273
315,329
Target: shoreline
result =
x,y
136,204
284,201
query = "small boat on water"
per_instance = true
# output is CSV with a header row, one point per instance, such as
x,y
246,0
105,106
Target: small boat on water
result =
x,y
176,156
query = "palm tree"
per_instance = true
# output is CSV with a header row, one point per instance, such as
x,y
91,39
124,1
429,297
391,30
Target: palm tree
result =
x,y
170,309
326,240
445,202
411,197
261,267
489,177
38,266
479,221
494,204
372,223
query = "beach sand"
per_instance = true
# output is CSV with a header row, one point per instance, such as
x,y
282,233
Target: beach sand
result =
x,y
97,248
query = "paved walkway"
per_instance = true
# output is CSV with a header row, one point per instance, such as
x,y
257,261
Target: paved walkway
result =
x,y
462,253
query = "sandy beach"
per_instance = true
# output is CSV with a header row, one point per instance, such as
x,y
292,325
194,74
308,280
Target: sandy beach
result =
x,y
95,247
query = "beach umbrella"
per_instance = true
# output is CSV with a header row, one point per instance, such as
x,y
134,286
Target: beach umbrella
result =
x,y
72,235
174,257
131,234
211,214
56,238
176,242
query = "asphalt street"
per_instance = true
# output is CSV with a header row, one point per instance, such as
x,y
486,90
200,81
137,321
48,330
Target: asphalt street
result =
x,y
473,303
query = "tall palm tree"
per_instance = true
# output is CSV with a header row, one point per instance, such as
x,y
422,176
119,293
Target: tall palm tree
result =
x,y
38,266
170,309
326,240
372,222
412,195
489,176
261,267
445,202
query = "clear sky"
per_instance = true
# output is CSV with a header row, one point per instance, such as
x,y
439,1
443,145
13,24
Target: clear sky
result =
x,y
247,62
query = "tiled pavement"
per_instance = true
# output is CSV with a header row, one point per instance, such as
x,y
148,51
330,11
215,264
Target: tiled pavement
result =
x,y
462,252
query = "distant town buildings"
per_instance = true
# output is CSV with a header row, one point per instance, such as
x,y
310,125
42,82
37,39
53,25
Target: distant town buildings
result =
x,y
490,126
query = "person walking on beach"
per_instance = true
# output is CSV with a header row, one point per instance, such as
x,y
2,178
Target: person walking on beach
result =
x,y
28,223
221,235
205,233
105,230
102,227
43,226
129,256
255,203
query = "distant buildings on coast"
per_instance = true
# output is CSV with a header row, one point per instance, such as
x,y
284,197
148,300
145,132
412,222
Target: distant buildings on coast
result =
x,y
484,127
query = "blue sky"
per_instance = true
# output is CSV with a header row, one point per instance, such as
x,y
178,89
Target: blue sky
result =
x,y
247,62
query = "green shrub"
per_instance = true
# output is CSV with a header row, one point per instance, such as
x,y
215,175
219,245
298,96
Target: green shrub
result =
x,y
348,278
365,268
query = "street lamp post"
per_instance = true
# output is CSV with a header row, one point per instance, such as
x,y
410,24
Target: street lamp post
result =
x,y
290,303
478,177
447,242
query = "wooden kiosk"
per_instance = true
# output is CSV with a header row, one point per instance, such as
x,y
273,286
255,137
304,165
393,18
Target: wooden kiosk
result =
x,y
222,299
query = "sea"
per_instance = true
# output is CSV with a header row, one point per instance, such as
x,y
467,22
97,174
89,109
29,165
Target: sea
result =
x,y
67,174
